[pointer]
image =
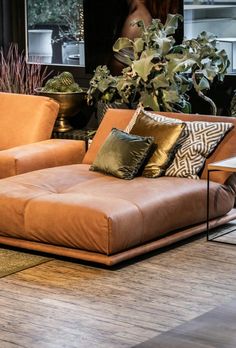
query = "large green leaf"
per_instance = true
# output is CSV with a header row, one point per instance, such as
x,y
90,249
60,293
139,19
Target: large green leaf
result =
x,y
143,67
202,85
171,23
224,63
160,81
179,64
171,96
138,45
169,99
126,88
210,72
149,100
103,85
149,52
121,43
165,45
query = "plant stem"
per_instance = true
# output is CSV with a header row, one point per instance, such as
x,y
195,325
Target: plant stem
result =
x,y
210,101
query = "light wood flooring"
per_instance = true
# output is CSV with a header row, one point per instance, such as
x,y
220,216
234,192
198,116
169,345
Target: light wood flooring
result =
x,y
71,304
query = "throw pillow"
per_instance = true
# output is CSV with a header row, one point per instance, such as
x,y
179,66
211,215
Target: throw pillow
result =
x,y
150,114
166,138
203,138
196,143
122,154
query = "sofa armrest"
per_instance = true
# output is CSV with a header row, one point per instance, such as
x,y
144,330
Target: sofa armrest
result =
x,y
43,154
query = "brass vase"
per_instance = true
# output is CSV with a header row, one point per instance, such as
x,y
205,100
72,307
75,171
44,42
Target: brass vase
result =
x,y
70,104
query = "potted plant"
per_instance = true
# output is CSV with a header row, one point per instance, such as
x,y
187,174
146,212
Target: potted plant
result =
x,y
16,75
160,73
103,92
68,94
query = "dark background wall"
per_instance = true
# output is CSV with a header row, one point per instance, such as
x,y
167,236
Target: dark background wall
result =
x,y
12,29
12,23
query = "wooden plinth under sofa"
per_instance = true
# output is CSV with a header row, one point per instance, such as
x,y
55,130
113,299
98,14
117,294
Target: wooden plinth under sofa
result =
x,y
75,212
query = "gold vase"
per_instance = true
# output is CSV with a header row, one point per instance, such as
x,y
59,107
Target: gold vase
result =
x,y
70,104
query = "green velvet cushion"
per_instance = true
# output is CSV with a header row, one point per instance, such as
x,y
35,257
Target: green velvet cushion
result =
x,y
122,154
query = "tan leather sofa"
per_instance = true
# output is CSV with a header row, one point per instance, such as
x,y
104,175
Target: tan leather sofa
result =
x,y
26,124
75,212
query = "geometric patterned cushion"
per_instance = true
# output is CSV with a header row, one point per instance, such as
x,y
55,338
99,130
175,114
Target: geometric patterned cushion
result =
x,y
197,142
203,138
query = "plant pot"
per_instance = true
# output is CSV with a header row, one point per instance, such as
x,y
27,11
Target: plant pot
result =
x,y
70,104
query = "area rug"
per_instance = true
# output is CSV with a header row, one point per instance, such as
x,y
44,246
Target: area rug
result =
x,y
12,261
215,328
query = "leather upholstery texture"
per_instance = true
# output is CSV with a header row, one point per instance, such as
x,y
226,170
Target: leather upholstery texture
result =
x,y
26,124
43,154
74,207
72,211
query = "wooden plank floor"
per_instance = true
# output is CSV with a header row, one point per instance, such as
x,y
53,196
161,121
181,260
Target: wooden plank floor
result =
x,y
69,304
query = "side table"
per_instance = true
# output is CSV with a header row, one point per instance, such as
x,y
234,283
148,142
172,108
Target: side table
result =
x,y
76,134
227,165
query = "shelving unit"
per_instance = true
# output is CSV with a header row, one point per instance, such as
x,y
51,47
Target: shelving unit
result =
x,y
219,19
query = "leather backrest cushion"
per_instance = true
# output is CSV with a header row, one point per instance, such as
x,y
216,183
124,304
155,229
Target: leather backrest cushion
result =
x,y
119,118
114,118
25,119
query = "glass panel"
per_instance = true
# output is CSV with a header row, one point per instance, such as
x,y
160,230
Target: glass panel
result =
x,y
217,17
55,32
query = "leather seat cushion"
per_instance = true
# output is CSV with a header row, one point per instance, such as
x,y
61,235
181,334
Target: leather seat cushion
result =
x,y
78,208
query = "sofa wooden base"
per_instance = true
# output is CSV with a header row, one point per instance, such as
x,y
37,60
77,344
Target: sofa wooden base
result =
x,y
111,260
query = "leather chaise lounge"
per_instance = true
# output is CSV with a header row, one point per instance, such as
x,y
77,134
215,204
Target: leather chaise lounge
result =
x,y
75,212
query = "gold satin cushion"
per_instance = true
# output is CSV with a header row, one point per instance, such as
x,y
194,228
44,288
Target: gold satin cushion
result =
x,y
166,138
122,154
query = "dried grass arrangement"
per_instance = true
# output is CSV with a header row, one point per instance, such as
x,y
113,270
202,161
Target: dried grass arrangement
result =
x,y
16,75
